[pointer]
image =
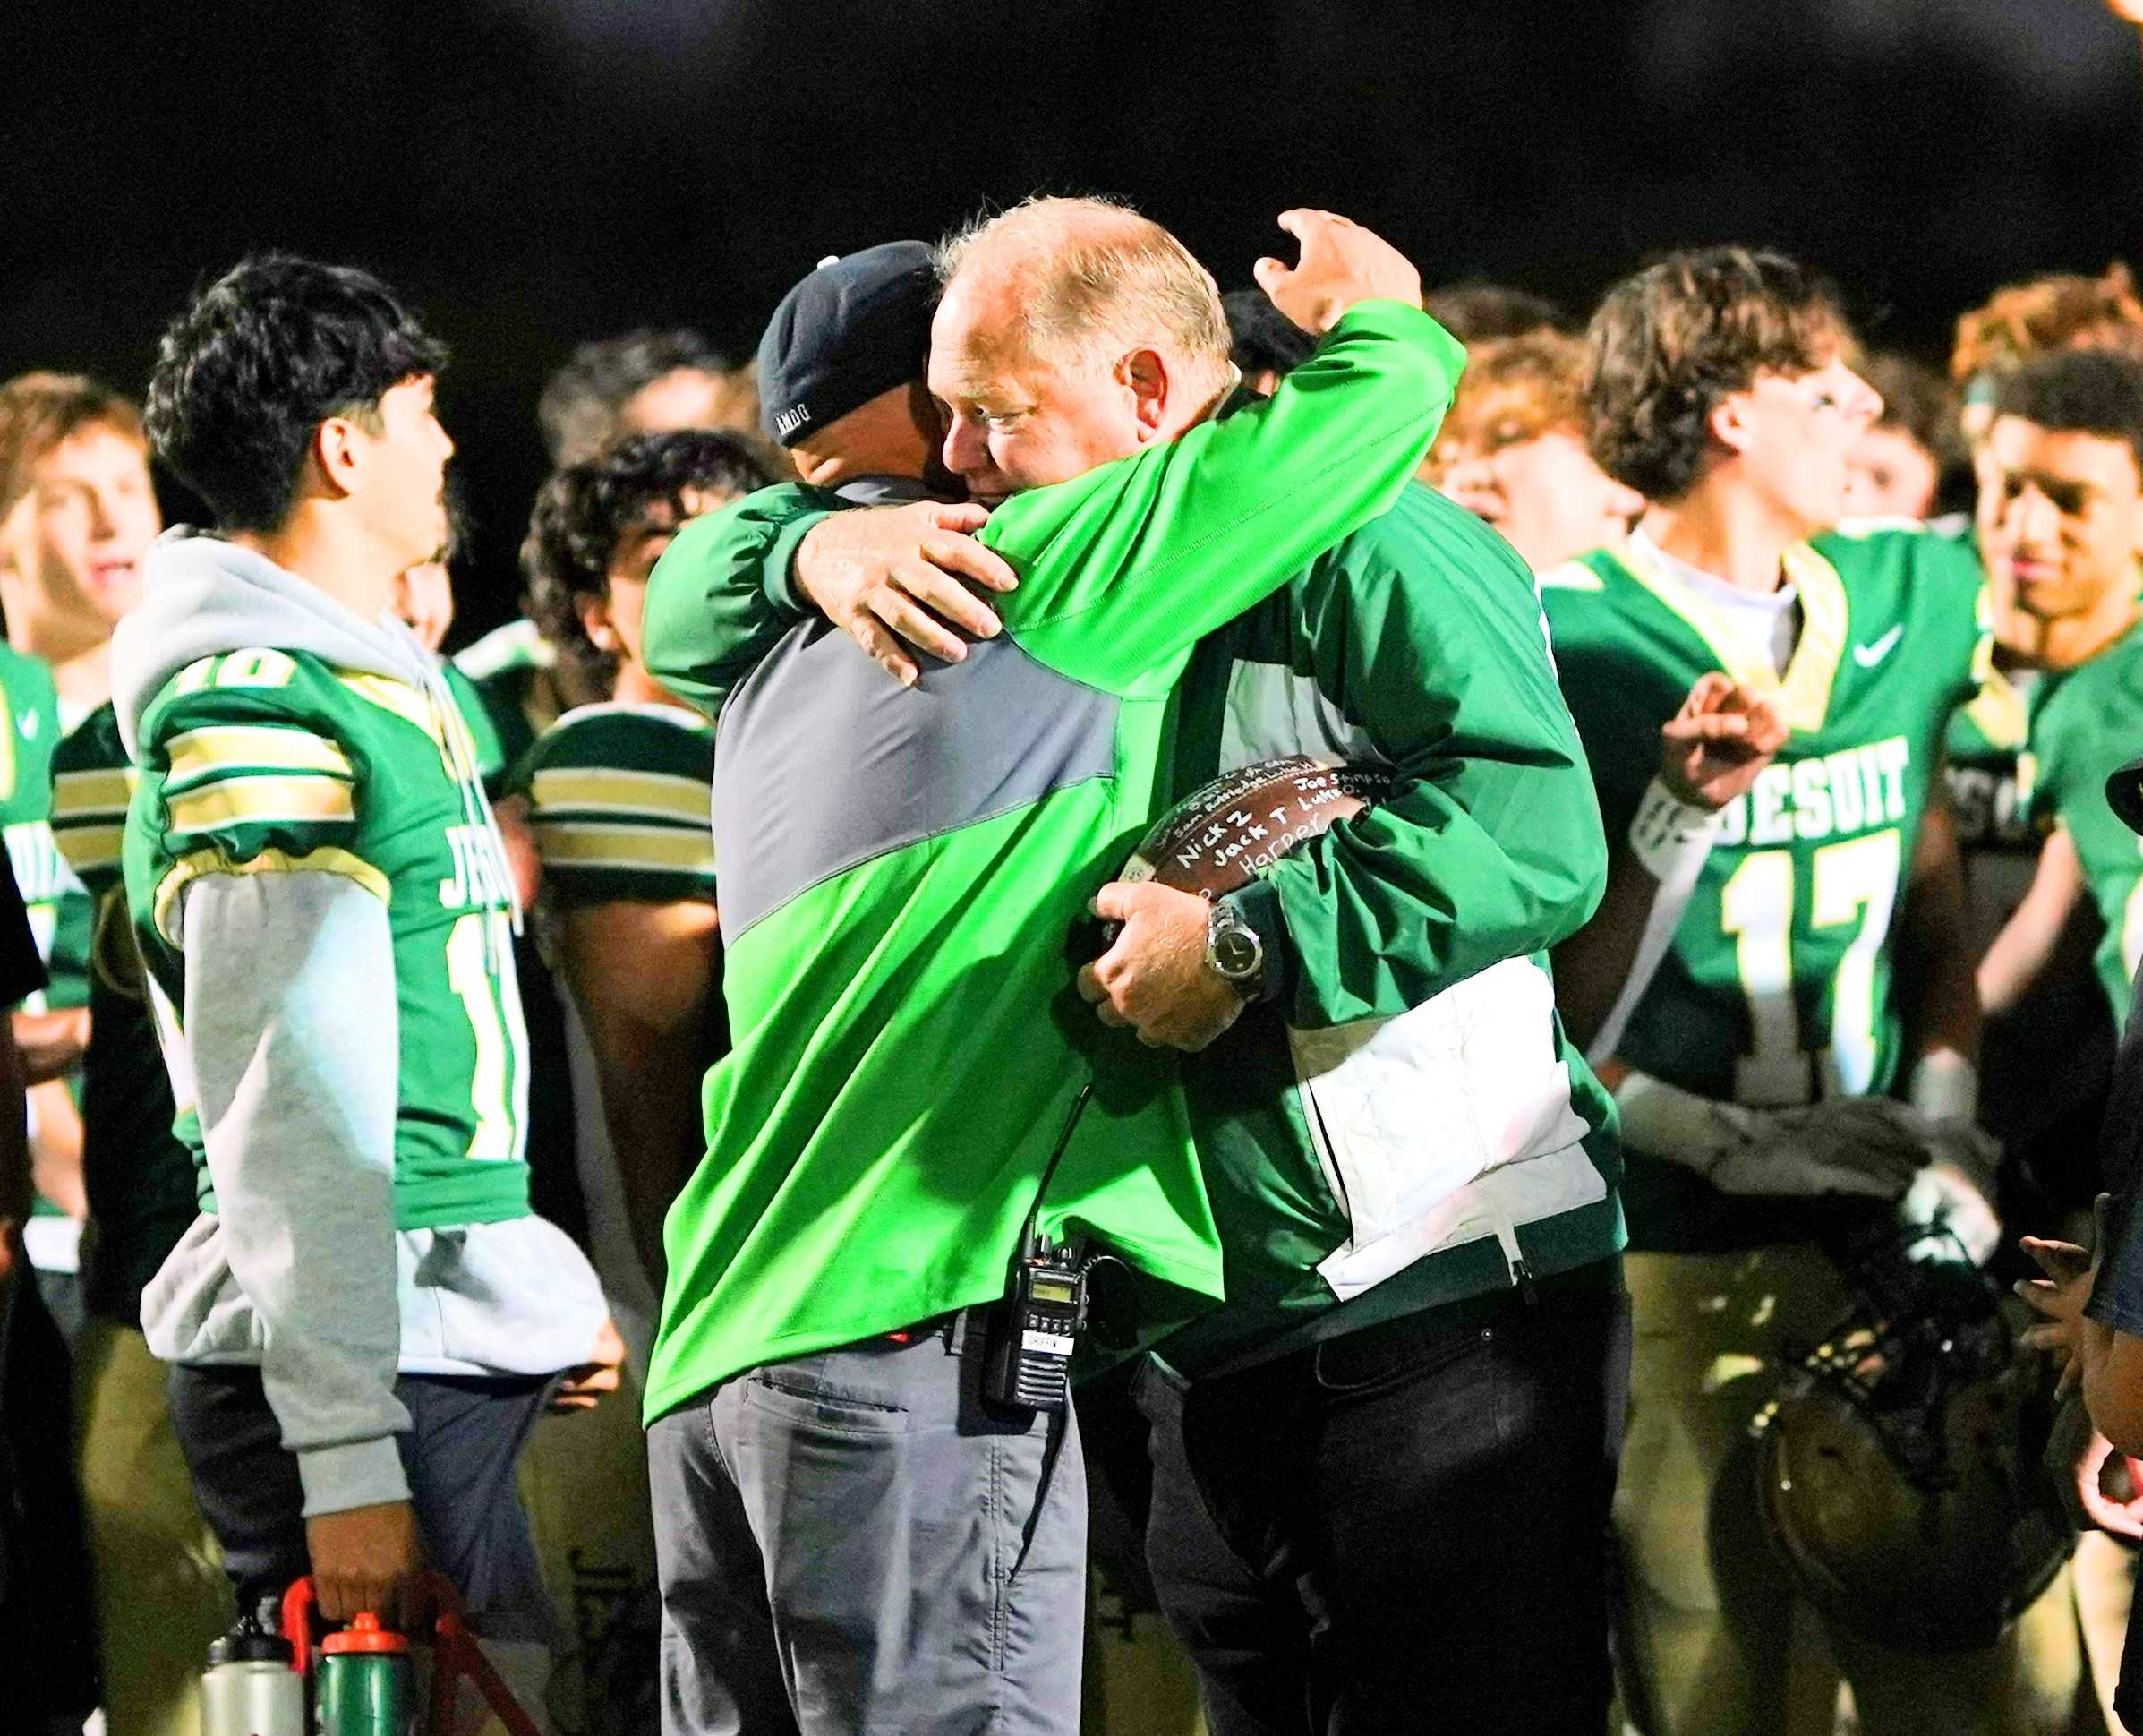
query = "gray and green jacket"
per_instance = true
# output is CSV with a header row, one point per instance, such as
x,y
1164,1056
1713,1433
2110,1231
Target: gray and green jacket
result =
x,y
1407,1126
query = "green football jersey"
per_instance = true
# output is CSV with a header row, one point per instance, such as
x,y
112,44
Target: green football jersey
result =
x,y
1777,986
139,1177
618,798
262,762
499,731
58,907
2043,1065
508,672
53,899
1988,774
2087,724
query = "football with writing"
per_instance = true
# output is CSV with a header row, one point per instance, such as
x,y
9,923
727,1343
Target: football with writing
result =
x,y
1217,837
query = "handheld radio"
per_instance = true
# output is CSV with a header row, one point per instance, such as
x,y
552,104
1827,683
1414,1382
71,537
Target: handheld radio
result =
x,y
1032,1332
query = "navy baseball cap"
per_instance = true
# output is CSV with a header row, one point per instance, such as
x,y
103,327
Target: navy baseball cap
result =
x,y
858,325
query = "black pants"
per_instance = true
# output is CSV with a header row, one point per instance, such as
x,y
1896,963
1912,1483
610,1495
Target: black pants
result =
x,y
1403,1529
466,1435
48,1620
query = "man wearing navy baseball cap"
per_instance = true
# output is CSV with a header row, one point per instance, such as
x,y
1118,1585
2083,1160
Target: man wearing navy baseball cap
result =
x,y
840,375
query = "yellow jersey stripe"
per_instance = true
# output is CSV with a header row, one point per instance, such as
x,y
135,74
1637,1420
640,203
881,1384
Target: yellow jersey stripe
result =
x,y
569,843
262,801
88,847
605,790
75,794
238,746
192,866
1999,711
413,706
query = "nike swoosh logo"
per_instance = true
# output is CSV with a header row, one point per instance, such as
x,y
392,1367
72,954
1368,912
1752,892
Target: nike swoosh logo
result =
x,y
1868,655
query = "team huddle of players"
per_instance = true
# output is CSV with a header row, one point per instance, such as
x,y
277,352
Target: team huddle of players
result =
x,y
1862,748
1905,687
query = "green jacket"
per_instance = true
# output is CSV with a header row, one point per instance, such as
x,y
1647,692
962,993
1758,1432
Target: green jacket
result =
x,y
1408,1125
905,873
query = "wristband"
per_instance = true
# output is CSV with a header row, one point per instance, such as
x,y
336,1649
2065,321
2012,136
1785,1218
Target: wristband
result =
x,y
1669,832
1665,1121
1944,1086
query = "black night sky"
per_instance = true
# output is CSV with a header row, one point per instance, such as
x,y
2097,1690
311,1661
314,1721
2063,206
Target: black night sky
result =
x,y
535,171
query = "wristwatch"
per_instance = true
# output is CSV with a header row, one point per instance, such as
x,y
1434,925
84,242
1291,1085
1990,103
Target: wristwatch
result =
x,y
1234,951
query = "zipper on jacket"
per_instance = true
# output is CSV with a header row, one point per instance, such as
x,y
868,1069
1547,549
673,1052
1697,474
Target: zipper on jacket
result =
x,y
1521,1274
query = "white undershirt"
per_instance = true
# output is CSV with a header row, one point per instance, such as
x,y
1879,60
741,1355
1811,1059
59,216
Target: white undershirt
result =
x,y
1768,622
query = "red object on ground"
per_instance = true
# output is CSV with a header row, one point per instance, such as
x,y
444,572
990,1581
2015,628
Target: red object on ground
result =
x,y
455,1656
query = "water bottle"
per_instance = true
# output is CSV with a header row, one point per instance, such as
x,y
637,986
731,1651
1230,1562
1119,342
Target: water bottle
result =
x,y
251,1686
366,1686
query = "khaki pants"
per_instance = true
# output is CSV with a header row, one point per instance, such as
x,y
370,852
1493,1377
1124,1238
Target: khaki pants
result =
x,y
583,1483
1709,1626
2106,1588
161,1593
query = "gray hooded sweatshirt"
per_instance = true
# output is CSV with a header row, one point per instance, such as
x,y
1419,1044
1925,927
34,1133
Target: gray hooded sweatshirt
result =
x,y
300,1270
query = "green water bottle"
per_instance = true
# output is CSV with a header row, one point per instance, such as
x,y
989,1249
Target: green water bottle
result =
x,y
366,1685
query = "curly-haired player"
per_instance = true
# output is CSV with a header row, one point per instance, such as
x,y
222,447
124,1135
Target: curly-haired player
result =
x,y
618,794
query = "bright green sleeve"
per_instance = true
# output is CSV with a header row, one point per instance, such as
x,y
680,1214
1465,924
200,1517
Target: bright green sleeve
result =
x,y
718,600
1129,563
1491,845
1139,560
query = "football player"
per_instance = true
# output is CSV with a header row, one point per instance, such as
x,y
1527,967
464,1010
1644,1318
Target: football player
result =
x,y
365,1320
2063,311
1722,389
1513,452
161,1593
618,796
2061,529
644,381
2049,1051
2061,524
77,513
1898,465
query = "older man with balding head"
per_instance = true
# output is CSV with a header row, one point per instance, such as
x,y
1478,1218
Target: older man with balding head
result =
x,y
1070,333
853,1534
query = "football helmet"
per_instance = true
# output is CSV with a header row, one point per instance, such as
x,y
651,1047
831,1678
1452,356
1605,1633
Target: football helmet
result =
x,y
1899,1466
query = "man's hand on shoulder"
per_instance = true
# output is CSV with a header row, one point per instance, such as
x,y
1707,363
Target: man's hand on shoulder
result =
x,y
1154,979
894,577
1715,744
1341,264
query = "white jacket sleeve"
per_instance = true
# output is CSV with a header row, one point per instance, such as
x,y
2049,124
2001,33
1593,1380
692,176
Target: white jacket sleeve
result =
x,y
292,1027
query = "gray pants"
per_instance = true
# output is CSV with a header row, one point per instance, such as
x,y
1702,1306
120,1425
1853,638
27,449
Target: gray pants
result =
x,y
850,1545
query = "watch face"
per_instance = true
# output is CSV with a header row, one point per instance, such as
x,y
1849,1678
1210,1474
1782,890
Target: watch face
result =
x,y
1236,953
